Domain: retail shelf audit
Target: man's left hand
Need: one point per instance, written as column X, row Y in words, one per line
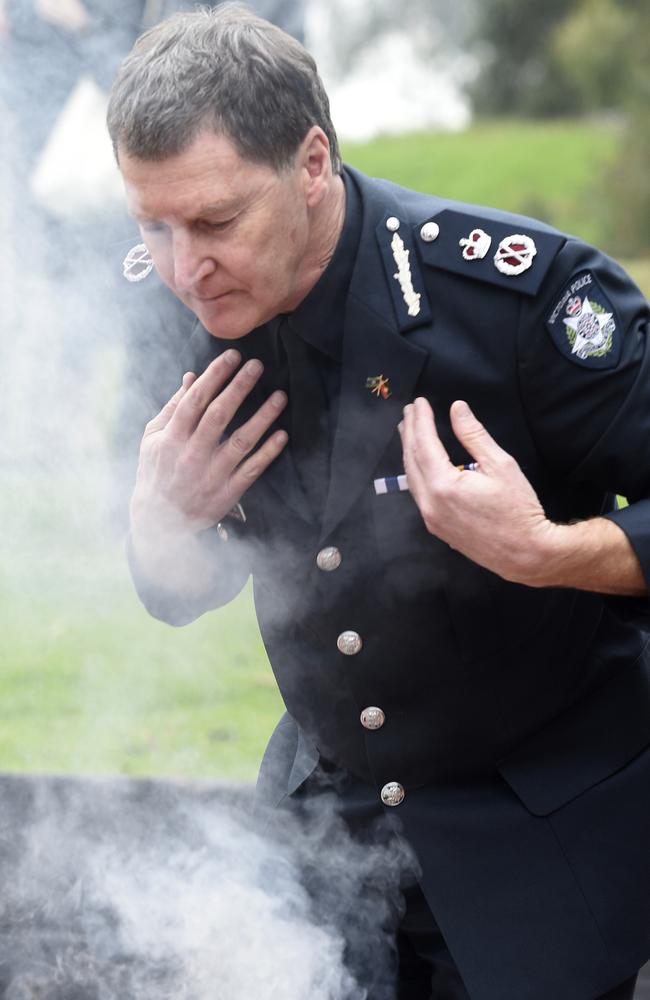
column 491, row 515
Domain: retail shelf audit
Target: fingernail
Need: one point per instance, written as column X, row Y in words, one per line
column 278, row 399
column 400, row 426
column 232, row 357
column 254, row 367
column 462, row 408
column 408, row 407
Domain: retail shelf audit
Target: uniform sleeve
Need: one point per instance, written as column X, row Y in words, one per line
column 584, row 369
column 231, row 571
column 163, row 339
column 154, row 329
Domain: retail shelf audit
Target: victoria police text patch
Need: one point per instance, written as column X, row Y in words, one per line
column 584, row 325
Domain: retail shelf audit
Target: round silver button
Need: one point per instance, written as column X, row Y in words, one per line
column 349, row 643
column 392, row 224
column 372, row 718
column 392, row 794
column 430, row 231
column 329, row 559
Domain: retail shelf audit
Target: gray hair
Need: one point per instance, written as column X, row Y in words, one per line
column 224, row 69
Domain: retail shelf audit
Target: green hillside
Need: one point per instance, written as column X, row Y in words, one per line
column 550, row 170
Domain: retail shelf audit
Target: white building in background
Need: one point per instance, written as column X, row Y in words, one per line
column 389, row 74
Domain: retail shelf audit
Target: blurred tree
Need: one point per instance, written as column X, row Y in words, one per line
column 565, row 57
column 521, row 74
column 592, row 46
column 603, row 47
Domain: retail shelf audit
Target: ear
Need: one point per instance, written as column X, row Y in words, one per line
column 315, row 164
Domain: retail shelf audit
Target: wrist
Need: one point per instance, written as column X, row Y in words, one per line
column 594, row 554
column 558, row 545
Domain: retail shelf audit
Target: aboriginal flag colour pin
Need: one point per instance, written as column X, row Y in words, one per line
column 379, row 386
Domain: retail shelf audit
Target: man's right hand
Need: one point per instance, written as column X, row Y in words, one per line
column 189, row 474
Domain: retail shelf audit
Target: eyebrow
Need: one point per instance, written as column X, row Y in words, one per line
column 214, row 209
column 224, row 206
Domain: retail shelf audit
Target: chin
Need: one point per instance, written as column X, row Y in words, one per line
column 225, row 323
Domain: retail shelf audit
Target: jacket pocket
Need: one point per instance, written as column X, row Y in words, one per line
column 586, row 744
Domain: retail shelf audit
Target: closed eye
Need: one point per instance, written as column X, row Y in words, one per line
column 215, row 226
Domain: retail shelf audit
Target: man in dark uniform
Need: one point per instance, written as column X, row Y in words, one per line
column 454, row 609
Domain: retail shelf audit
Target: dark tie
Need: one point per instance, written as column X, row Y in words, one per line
column 309, row 421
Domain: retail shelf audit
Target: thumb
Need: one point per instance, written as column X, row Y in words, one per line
column 473, row 436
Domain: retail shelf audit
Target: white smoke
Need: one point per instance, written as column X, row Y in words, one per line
column 133, row 891
column 146, row 892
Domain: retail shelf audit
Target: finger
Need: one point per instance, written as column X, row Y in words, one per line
column 162, row 419
column 225, row 405
column 242, row 441
column 192, row 406
column 427, row 448
column 416, row 481
column 474, row 438
column 249, row 471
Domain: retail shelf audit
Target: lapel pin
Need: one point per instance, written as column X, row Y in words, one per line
column 137, row 264
column 379, row 386
column 403, row 275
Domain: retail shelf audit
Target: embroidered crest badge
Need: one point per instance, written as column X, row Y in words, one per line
column 403, row 275
column 476, row 245
column 515, row 254
column 584, row 326
column 137, row 264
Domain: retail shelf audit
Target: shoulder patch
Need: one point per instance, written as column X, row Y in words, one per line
column 584, row 325
column 504, row 254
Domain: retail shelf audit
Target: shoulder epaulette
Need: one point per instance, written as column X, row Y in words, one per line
column 507, row 254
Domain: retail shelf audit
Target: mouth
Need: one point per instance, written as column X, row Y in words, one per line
column 212, row 298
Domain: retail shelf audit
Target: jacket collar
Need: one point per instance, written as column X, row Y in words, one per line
column 373, row 345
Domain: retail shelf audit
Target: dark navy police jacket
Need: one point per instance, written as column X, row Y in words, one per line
column 517, row 719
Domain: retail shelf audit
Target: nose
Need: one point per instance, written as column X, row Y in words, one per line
column 191, row 261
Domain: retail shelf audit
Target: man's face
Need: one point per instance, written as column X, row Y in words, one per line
column 227, row 235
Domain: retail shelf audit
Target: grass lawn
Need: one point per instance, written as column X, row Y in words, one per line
column 106, row 689
column 549, row 170
column 88, row 682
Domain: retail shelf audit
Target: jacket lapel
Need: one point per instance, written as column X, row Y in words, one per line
column 372, row 346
